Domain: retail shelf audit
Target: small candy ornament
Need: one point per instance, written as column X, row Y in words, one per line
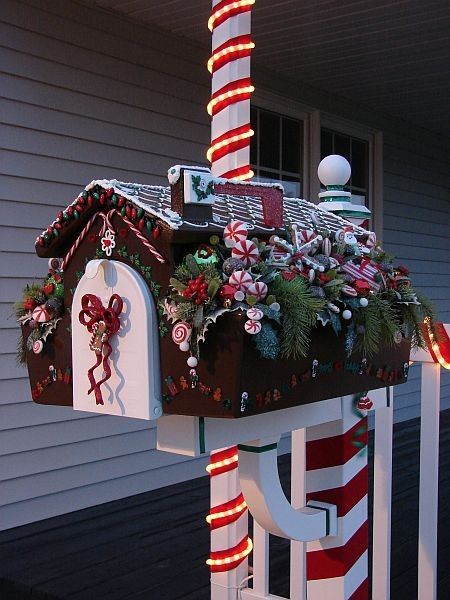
column 241, row 280
column 245, row 251
column 181, row 332
column 234, row 232
column 41, row 315
column 258, row 289
column 254, row 314
column 252, row 327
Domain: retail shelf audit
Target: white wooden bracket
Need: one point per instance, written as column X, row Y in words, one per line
column 260, row 483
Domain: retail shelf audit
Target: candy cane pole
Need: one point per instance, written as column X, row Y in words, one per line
column 229, row 107
column 228, row 520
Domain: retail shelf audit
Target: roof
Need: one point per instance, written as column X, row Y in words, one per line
column 155, row 201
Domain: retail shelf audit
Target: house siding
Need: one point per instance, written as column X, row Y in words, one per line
column 86, row 95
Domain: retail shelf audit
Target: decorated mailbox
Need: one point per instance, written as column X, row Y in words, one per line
column 211, row 298
column 218, row 297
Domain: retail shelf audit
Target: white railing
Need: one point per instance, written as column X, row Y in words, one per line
column 382, row 501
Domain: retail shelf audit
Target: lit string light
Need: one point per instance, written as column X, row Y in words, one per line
column 224, row 514
column 235, row 87
column 225, row 560
column 227, row 513
column 439, row 348
column 226, row 9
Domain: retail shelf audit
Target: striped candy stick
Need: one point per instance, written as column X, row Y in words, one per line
column 228, row 519
column 231, row 89
column 336, row 472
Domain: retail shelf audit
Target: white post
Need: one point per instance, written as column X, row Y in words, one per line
column 429, row 470
column 229, row 527
column 298, row 499
column 382, row 498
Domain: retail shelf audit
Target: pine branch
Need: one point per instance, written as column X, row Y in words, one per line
column 299, row 309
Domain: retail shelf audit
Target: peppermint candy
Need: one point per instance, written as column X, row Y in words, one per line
column 252, row 327
column 349, row 291
column 371, row 240
column 181, row 332
column 245, row 251
column 254, row 314
column 38, row 346
column 40, row 314
column 241, row 280
column 234, row 232
column 258, row 290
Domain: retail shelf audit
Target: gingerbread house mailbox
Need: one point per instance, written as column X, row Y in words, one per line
column 210, row 298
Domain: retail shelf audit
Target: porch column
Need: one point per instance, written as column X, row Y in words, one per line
column 228, row 519
column 336, row 472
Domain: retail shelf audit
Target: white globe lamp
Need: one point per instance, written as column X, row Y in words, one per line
column 334, row 170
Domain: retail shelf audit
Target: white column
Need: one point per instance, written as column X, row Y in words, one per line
column 428, row 488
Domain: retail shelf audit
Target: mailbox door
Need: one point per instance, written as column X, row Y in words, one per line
column 133, row 389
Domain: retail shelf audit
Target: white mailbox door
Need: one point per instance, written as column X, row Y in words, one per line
column 134, row 388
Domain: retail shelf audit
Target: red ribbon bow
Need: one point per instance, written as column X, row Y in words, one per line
column 95, row 316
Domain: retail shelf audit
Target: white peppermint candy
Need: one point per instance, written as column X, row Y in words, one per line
column 349, row 291
column 38, row 345
column 258, row 290
column 252, row 327
column 245, row 251
column 241, row 280
column 181, row 332
column 254, row 314
column 40, row 314
column 234, row 232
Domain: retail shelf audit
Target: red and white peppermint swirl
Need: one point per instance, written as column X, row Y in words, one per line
column 40, row 314
column 245, row 251
column 38, row 346
column 234, row 232
column 252, row 327
column 229, row 107
column 258, row 290
column 240, row 280
column 181, row 332
column 255, row 314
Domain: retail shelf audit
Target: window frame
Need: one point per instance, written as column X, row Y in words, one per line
column 313, row 121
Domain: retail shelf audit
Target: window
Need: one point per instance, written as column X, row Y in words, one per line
column 356, row 151
column 276, row 151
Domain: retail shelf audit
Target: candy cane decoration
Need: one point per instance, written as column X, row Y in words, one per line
column 107, row 225
column 159, row 257
column 229, row 106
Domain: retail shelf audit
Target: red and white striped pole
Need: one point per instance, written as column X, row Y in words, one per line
column 229, row 154
column 228, row 520
column 229, row 64
column 336, row 472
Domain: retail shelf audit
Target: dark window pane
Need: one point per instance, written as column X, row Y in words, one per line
column 360, row 157
column 342, row 146
column 291, row 186
column 326, row 143
column 268, row 175
column 291, row 148
column 254, row 138
column 269, row 142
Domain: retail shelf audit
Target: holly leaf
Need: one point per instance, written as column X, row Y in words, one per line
column 177, row 285
column 192, row 265
column 213, row 287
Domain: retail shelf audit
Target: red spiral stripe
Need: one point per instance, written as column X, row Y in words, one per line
column 226, row 560
column 226, row 513
column 226, row 9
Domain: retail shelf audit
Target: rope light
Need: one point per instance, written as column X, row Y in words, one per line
column 227, row 9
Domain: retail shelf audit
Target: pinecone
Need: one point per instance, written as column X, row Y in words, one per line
column 317, row 292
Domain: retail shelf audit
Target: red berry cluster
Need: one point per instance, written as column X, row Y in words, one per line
column 197, row 290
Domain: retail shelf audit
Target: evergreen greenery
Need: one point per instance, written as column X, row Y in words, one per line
column 299, row 309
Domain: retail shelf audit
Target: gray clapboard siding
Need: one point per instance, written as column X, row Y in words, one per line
column 75, row 107
column 87, row 95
